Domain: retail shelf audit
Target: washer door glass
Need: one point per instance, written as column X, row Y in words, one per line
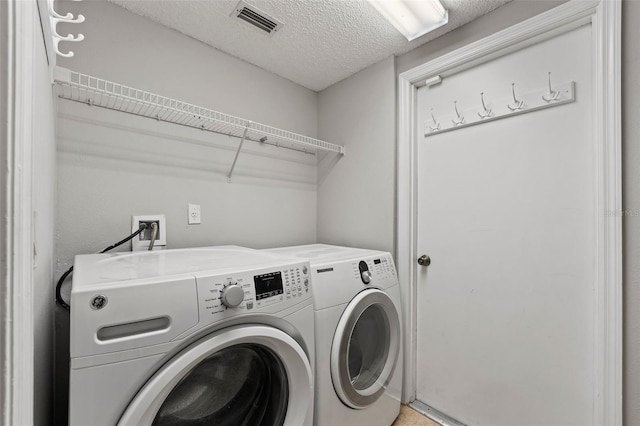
column 239, row 385
column 365, row 348
column 243, row 375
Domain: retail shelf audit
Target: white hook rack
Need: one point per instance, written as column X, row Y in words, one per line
column 55, row 18
column 503, row 108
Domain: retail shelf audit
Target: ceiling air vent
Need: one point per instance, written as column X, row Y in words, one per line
column 256, row 17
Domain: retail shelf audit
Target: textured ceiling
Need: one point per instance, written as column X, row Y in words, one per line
column 320, row 43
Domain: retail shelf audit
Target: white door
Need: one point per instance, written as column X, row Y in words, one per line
column 246, row 375
column 506, row 212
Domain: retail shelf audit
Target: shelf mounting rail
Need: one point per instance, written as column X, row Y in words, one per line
column 91, row 90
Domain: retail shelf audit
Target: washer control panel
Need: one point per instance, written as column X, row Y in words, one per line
column 264, row 290
column 376, row 270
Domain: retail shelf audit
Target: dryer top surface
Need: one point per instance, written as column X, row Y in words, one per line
column 323, row 254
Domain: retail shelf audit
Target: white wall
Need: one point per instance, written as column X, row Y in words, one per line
column 112, row 165
column 631, row 206
column 356, row 193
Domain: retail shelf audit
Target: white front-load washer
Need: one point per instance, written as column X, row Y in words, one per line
column 218, row 335
column 358, row 334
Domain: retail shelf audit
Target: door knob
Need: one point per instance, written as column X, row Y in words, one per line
column 424, row 260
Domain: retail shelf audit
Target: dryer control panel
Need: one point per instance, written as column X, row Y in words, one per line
column 379, row 270
column 266, row 290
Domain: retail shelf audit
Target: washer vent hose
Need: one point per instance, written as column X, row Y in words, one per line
column 64, row 276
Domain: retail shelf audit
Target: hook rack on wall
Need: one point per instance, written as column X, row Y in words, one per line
column 90, row 90
column 503, row 108
column 55, row 18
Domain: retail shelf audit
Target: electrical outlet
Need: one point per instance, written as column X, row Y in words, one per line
column 143, row 239
column 193, row 211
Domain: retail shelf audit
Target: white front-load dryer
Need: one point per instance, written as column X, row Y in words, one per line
column 219, row 335
column 358, row 334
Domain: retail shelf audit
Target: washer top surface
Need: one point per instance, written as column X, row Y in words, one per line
column 324, row 254
column 158, row 297
column 126, row 266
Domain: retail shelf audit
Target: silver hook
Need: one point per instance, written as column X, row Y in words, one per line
column 517, row 105
column 487, row 112
column 552, row 95
column 460, row 119
column 436, row 125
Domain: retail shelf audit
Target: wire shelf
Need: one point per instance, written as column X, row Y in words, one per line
column 91, row 90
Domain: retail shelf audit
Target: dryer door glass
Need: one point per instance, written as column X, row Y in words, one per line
column 238, row 385
column 365, row 348
column 368, row 347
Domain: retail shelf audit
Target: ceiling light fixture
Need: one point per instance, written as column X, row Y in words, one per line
column 413, row 18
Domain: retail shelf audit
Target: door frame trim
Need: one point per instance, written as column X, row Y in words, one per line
column 605, row 18
column 17, row 49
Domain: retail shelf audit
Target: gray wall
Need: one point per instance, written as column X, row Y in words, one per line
column 113, row 165
column 631, row 206
column 356, row 193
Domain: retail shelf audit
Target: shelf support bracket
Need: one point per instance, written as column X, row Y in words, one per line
column 235, row 159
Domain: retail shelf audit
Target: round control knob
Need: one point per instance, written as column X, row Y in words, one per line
column 305, row 270
column 232, row 295
column 366, row 277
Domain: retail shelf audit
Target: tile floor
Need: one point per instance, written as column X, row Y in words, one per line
column 410, row 417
